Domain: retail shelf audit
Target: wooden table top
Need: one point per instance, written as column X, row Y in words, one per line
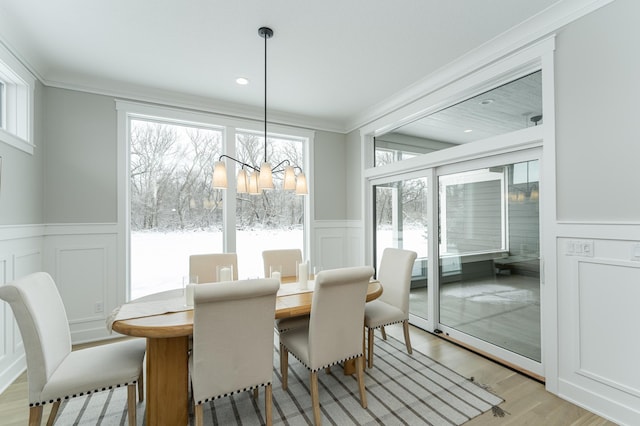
column 178, row 324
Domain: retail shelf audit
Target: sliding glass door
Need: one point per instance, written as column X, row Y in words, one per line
column 482, row 288
column 489, row 257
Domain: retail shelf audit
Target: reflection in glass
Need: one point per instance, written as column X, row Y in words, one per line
column 401, row 222
column 489, row 256
column 504, row 109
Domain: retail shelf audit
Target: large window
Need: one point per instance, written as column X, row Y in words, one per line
column 173, row 211
column 16, row 102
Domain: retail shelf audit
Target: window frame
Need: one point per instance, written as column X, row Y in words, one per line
column 16, row 122
column 126, row 110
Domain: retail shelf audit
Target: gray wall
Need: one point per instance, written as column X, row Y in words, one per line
column 21, row 179
column 597, row 115
column 80, row 170
column 81, row 166
column 353, row 175
column 330, row 187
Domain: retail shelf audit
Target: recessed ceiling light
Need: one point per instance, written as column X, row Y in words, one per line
column 468, row 131
column 242, row 81
column 486, row 101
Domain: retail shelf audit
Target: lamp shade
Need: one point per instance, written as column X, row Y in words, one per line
column 301, row 184
column 253, row 183
column 289, row 178
column 242, row 184
column 219, row 175
column 266, row 177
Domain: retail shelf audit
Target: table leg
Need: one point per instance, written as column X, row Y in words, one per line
column 167, row 381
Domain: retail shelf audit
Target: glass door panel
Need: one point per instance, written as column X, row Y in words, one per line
column 489, row 256
column 401, row 222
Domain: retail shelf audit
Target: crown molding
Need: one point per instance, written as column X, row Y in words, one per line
column 193, row 102
column 519, row 37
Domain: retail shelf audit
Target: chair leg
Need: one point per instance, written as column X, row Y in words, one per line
column 268, row 413
column 360, row 372
column 35, row 415
column 370, row 348
column 255, row 393
column 384, row 333
column 199, row 415
column 131, row 403
column 284, row 365
column 407, row 339
column 141, row 387
column 364, row 348
column 315, row 399
column 53, row 413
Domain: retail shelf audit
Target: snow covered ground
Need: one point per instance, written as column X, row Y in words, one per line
column 160, row 260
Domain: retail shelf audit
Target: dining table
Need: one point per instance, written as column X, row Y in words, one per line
column 168, row 334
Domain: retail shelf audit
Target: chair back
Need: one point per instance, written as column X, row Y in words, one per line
column 285, row 258
column 395, row 276
column 43, row 323
column 205, row 266
column 232, row 336
column 337, row 315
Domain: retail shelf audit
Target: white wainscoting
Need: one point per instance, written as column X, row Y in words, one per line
column 82, row 259
column 21, row 248
column 338, row 244
column 599, row 319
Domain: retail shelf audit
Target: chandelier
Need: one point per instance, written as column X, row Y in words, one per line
column 254, row 180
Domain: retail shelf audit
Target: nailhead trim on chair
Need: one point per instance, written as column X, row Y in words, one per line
column 231, row 393
column 324, row 366
column 389, row 323
column 51, row 401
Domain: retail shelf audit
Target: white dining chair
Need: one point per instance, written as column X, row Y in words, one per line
column 54, row 372
column 232, row 341
column 286, row 259
column 205, row 266
column 334, row 332
column 393, row 305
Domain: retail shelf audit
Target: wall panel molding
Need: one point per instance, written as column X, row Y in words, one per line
column 598, row 293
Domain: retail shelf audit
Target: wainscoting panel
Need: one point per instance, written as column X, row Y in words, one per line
column 598, row 318
column 21, row 248
column 336, row 244
column 82, row 260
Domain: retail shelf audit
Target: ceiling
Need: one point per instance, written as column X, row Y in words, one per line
column 512, row 106
column 328, row 60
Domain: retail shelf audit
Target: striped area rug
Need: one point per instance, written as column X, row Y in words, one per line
column 401, row 389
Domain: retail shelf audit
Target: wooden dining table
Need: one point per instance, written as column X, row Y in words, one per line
column 167, row 372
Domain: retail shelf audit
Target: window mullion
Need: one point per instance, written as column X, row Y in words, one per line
column 229, row 196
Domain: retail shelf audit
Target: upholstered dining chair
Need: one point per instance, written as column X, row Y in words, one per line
column 54, row 372
column 334, row 331
column 232, row 341
column 393, row 305
column 284, row 258
column 204, row 266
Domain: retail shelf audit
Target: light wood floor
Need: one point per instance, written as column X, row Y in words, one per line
column 526, row 401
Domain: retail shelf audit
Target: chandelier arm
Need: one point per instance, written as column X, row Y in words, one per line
column 239, row 162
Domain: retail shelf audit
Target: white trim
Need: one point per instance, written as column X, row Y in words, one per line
column 519, row 37
column 331, row 224
column 547, row 228
column 19, row 102
column 16, row 232
column 212, row 106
